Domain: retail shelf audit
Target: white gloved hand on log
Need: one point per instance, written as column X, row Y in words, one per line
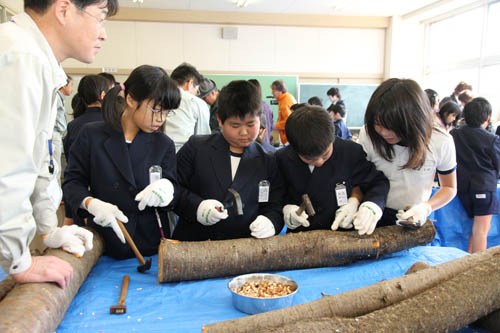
column 72, row 239
column 345, row 214
column 262, row 227
column 365, row 220
column 418, row 213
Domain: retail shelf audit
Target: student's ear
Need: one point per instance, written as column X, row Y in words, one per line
column 132, row 103
column 101, row 95
column 62, row 11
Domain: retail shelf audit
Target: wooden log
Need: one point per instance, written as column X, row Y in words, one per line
column 355, row 303
column 40, row 307
column 180, row 261
column 451, row 305
column 5, row 286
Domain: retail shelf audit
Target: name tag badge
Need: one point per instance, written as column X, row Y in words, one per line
column 481, row 196
column 264, row 187
column 341, row 194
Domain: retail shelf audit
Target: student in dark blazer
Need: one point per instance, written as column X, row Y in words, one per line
column 209, row 165
column 478, row 165
column 328, row 169
column 108, row 171
column 86, row 109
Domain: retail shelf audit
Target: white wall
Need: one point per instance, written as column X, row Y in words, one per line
column 258, row 49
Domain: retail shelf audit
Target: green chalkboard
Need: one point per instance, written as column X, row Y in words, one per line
column 355, row 97
column 265, row 81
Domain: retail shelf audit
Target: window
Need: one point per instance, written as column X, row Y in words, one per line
column 465, row 47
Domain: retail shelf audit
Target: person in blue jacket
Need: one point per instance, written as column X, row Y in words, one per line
column 331, row 171
column 209, row 165
column 108, row 170
column 337, row 112
column 478, row 165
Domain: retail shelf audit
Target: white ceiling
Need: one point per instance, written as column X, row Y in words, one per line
column 325, row 7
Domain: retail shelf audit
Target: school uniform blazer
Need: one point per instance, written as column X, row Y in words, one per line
column 478, row 159
column 102, row 166
column 347, row 164
column 90, row 115
column 204, row 168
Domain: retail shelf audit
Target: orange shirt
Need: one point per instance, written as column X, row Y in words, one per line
column 285, row 101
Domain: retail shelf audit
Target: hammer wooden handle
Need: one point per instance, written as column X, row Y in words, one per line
column 123, row 293
column 130, row 241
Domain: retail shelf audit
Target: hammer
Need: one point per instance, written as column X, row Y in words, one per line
column 121, row 308
column 236, row 202
column 306, row 205
column 144, row 265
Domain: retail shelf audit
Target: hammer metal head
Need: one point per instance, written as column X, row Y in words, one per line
column 308, row 205
column 237, row 204
column 145, row 267
column 118, row 309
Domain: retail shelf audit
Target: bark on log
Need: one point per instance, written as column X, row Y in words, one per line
column 180, row 261
column 40, row 307
column 5, row 286
column 355, row 303
column 451, row 305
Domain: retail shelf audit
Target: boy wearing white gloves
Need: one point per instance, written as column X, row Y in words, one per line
column 328, row 168
column 209, row 165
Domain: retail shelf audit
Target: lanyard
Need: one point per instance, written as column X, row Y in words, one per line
column 51, row 164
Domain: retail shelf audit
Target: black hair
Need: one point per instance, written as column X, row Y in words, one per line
column 89, row 92
column 433, row 97
column 444, row 101
column 310, row 131
column 338, row 108
column 315, row 100
column 41, row 6
column 297, row 106
column 400, row 105
column 334, row 92
column 68, row 78
column 447, row 109
column 110, row 78
column 256, row 82
column 239, row 99
column 279, row 85
column 74, row 102
column 477, row 111
column 185, row 72
column 144, row 83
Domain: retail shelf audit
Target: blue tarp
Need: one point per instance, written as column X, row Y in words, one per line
column 187, row 306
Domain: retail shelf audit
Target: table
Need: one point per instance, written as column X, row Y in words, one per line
column 187, row 306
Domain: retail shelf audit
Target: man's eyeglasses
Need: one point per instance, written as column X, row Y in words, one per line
column 101, row 21
column 164, row 113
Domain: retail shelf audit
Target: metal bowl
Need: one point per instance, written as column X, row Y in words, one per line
column 253, row 305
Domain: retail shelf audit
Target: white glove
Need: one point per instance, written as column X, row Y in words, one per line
column 208, row 214
column 105, row 214
column 262, row 227
column 71, row 238
column 292, row 220
column 157, row 194
column 345, row 214
column 419, row 213
column 367, row 217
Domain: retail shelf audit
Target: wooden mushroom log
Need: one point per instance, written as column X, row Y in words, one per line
column 440, row 298
column 180, row 261
column 40, row 307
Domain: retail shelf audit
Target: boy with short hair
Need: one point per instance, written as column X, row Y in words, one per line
column 478, row 165
column 337, row 112
column 328, row 169
column 209, row 165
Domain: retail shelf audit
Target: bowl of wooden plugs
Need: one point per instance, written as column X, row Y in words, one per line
column 260, row 292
